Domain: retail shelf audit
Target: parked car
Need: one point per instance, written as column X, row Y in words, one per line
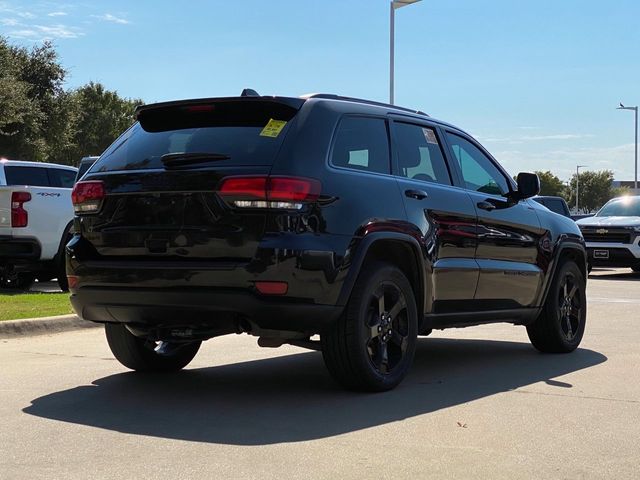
column 35, row 219
column 555, row 204
column 365, row 223
column 612, row 235
column 84, row 165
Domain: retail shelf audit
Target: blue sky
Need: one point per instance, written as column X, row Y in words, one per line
column 536, row 82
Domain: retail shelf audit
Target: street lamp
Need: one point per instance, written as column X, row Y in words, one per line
column 394, row 4
column 635, row 109
column 578, row 167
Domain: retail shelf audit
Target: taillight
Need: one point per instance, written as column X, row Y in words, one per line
column 270, row 192
column 87, row 196
column 19, row 216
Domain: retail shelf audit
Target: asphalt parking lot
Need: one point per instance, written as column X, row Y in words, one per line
column 478, row 403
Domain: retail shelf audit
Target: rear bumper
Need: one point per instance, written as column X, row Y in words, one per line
column 12, row 248
column 200, row 307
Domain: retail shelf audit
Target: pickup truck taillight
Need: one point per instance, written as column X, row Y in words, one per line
column 269, row 192
column 19, row 216
column 87, row 196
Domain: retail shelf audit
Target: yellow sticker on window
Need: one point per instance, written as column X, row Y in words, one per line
column 273, row 128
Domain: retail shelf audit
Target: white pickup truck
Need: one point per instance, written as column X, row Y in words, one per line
column 36, row 217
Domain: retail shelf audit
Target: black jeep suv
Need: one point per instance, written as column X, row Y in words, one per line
column 286, row 218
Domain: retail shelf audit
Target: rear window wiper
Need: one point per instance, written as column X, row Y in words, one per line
column 191, row 158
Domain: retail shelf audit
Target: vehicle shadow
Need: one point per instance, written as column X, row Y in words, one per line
column 293, row 399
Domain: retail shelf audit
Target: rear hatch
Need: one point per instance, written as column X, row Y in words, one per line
column 161, row 180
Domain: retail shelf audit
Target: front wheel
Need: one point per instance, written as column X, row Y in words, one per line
column 560, row 326
column 372, row 345
column 146, row 355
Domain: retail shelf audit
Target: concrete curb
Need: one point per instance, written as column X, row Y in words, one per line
column 43, row 326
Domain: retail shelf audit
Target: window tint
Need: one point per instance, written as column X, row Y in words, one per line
column 32, row 176
column 248, row 132
column 362, row 144
column 419, row 154
column 555, row 205
column 62, row 178
column 478, row 171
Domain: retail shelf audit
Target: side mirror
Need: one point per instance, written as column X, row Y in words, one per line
column 528, row 185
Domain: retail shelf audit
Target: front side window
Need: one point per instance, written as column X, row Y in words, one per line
column 478, row 171
column 362, row 143
column 419, row 154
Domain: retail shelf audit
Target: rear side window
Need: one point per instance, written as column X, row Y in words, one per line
column 362, row 143
column 32, row 176
column 419, row 154
column 249, row 133
column 62, row 178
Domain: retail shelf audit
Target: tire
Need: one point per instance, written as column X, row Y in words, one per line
column 561, row 324
column 139, row 354
column 61, row 275
column 358, row 349
column 18, row 281
column 61, row 264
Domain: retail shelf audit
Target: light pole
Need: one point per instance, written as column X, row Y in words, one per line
column 394, row 4
column 635, row 109
column 578, row 167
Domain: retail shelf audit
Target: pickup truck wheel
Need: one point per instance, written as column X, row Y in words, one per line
column 372, row 345
column 145, row 355
column 560, row 326
column 61, row 264
column 18, row 281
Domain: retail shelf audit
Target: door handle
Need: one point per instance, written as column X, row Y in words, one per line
column 417, row 194
column 486, row 205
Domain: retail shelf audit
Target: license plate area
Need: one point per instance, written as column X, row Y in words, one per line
column 604, row 254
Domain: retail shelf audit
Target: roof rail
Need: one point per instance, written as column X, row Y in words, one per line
column 332, row 96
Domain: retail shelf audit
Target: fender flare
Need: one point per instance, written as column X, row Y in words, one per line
column 362, row 249
column 563, row 245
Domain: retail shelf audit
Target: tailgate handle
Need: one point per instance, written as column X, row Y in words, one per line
column 417, row 194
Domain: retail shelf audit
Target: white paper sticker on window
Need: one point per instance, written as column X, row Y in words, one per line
column 430, row 136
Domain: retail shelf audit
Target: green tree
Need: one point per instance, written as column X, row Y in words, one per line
column 40, row 121
column 30, row 86
column 551, row 185
column 596, row 188
column 102, row 115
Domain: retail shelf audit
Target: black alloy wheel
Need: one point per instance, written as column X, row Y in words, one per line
column 371, row 346
column 388, row 328
column 560, row 326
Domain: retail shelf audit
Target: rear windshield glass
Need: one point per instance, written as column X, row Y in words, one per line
column 247, row 133
column 623, row 207
column 32, row 176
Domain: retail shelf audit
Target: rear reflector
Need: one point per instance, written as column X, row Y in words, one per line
column 19, row 216
column 272, row 288
column 270, row 192
column 72, row 281
column 87, row 196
